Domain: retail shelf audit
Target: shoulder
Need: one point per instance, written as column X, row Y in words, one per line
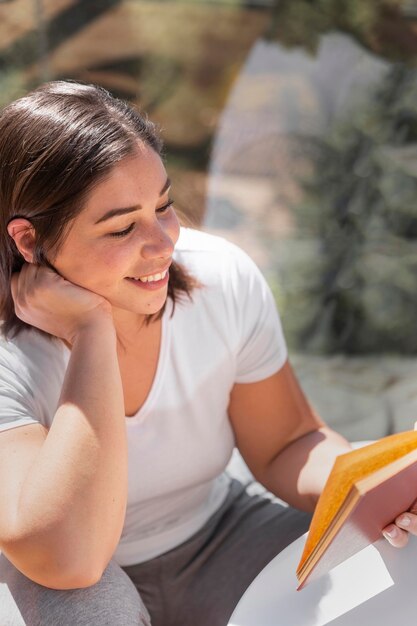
column 237, row 305
column 31, row 347
column 233, row 288
column 192, row 241
column 32, row 363
column 211, row 258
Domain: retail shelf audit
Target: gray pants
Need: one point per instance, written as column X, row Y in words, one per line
column 198, row 583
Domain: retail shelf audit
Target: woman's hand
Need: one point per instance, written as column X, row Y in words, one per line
column 46, row 300
column 398, row 532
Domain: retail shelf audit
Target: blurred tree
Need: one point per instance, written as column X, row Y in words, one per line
column 358, row 295
column 386, row 27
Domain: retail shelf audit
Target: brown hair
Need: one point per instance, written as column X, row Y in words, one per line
column 56, row 143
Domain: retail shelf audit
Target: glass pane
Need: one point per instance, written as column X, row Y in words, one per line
column 290, row 128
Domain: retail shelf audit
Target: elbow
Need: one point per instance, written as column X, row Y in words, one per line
column 48, row 570
column 71, row 581
column 80, row 578
column 61, row 580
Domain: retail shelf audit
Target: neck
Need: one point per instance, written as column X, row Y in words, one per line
column 132, row 328
column 127, row 322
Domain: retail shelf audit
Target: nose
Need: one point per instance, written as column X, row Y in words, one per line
column 158, row 242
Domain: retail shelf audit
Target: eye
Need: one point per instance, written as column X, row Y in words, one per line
column 164, row 208
column 128, row 230
column 122, row 233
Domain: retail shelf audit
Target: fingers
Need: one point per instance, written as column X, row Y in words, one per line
column 16, row 290
column 19, row 284
column 397, row 533
column 396, row 537
column 13, row 285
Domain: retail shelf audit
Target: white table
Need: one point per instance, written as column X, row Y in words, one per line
column 376, row 586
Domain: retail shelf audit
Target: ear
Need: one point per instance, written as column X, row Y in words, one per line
column 23, row 234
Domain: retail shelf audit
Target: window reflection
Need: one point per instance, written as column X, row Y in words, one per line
column 290, row 128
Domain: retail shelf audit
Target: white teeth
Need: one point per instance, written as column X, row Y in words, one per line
column 152, row 278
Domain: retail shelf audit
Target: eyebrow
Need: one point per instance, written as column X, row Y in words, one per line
column 130, row 209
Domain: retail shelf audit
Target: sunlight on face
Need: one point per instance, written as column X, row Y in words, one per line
column 104, row 251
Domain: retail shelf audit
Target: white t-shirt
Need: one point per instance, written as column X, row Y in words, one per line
column 180, row 441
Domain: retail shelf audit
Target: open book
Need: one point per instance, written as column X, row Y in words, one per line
column 366, row 490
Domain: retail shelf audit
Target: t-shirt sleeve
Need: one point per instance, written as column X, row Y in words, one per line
column 261, row 350
column 17, row 404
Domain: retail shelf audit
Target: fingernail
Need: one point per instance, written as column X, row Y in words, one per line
column 390, row 533
column 404, row 520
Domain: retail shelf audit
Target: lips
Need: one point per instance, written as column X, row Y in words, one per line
column 150, row 285
column 149, row 275
column 154, row 277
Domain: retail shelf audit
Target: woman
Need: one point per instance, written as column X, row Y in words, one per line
column 135, row 356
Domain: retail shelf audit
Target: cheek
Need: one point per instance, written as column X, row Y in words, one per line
column 173, row 228
column 96, row 270
column 113, row 262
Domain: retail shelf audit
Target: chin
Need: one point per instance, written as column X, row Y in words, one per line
column 150, row 308
column 155, row 308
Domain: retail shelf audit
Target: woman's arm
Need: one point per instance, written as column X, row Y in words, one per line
column 70, row 508
column 287, row 447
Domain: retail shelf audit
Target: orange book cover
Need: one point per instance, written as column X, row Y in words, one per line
column 365, row 491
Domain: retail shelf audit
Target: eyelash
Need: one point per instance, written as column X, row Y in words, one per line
column 124, row 233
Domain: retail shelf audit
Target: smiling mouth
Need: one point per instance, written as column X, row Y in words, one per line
column 151, row 278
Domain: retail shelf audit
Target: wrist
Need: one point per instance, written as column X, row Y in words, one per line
column 97, row 323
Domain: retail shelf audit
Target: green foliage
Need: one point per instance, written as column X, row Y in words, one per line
column 357, row 293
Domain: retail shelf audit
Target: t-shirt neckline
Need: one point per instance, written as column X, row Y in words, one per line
column 160, row 368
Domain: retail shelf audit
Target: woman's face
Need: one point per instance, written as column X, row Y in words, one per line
column 105, row 250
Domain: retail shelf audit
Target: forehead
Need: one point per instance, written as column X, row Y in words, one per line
column 135, row 180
